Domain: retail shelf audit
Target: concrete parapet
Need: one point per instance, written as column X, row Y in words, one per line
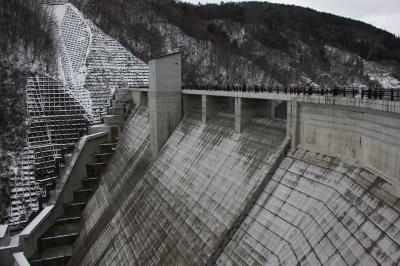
column 63, row 193
column 4, row 235
column 165, row 98
column 20, row 259
column 380, row 105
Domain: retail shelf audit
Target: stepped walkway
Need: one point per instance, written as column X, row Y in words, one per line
column 55, row 245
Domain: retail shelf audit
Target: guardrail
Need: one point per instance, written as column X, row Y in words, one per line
column 391, row 94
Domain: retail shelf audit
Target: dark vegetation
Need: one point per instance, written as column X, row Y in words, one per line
column 276, row 27
column 26, row 46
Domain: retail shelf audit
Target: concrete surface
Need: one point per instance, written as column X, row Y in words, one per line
column 176, row 209
column 366, row 137
column 319, row 210
column 165, row 98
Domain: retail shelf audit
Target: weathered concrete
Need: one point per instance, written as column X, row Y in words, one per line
column 191, row 102
column 69, row 182
column 246, row 109
column 361, row 136
column 280, row 109
column 20, row 259
column 176, row 209
column 165, row 98
column 140, row 98
column 4, row 234
column 123, row 172
column 318, row 210
column 210, row 106
column 292, row 122
column 380, row 105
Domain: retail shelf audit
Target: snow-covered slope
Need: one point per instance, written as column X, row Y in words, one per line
column 253, row 42
column 93, row 65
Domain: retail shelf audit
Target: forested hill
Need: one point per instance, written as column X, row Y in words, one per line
column 253, row 42
column 26, row 47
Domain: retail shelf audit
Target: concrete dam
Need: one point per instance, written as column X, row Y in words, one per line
column 187, row 175
column 204, row 177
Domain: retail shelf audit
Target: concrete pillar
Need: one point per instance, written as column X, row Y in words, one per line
column 292, row 122
column 272, row 105
column 247, row 109
column 204, row 109
column 211, row 105
column 239, row 121
column 165, row 98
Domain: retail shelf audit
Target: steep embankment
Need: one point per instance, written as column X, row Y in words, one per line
column 177, row 208
column 318, row 210
column 253, row 42
column 26, row 47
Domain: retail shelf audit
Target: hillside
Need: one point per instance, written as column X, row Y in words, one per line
column 253, row 42
column 26, row 47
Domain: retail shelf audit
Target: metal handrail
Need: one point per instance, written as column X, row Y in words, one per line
column 392, row 94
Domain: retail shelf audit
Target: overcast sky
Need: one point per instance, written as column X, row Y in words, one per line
column 384, row 14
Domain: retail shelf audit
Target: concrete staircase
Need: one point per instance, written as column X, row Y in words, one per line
column 55, row 245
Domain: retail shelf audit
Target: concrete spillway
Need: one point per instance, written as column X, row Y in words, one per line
column 185, row 200
column 318, row 210
column 175, row 209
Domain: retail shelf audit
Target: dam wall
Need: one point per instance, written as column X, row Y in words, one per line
column 222, row 189
column 176, row 209
column 131, row 156
column 369, row 138
column 207, row 196
column 320, row 210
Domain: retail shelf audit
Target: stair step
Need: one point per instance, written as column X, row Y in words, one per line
column 59, row 235
column 113, row 119
column 94, row 170
column 72, row 218
column 114, row 129
column 117, row 111
column 89, row 182
column 52, row 256
column 107, row 147
column 102, row 157
column 74, row 208
column 83, row 195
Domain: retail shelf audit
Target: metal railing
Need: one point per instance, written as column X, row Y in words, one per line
column 391, row 94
